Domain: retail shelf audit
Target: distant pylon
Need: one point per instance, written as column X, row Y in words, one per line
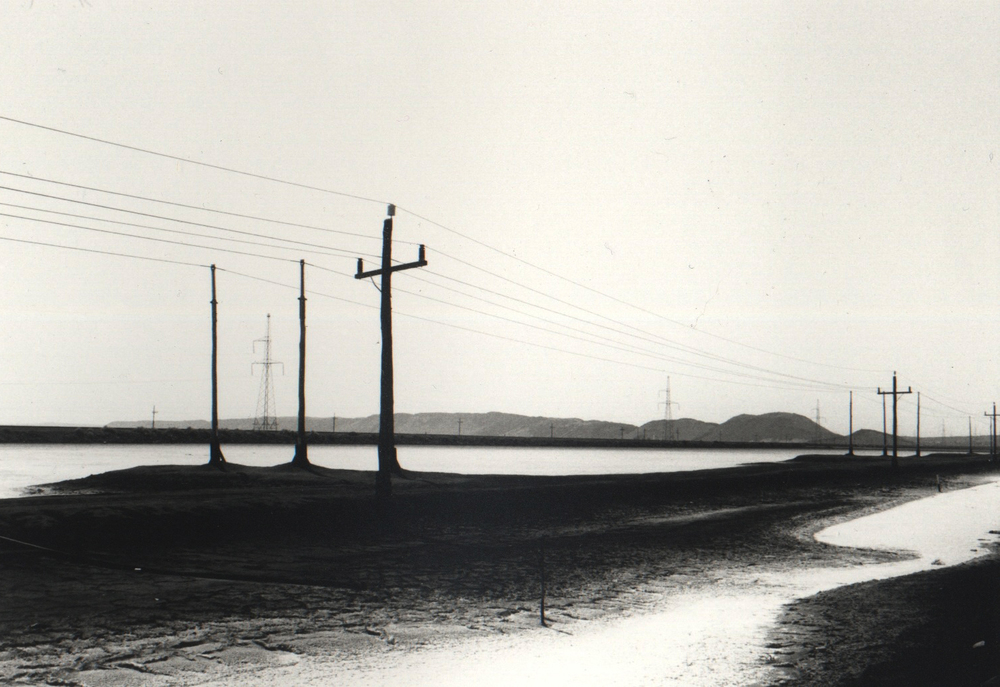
column 819, row 419
column 265, row 419
column 668, row 420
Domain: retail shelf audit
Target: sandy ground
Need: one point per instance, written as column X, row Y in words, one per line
column 187, row 576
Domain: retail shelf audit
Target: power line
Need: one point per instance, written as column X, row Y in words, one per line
column 154, row 216
column 366, row 305
column 335, row 252
column 417, row 216
column 649, row 337
column 640, row 352
column 296, row 288
column 656, row 339
column 197, row 207
column 629, row 349
column 455, row 232
column 618, row 300
column 614, row 344
column 145, row 238
column 101, row 252
column 405, row 314
column 178, row 158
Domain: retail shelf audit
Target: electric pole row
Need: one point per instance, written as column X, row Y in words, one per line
column 216, row 459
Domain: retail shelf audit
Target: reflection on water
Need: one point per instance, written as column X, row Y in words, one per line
column 23, row 465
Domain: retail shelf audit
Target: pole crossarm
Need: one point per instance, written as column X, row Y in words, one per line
column 421, row 262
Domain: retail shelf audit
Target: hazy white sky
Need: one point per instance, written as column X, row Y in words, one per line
column 772, row 202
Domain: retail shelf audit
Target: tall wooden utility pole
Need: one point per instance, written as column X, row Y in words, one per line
column 918, row 425
column 388, row 463
column 301, row 459
column 895, row 421
column 885, row 433
column 215, row 457
column 850, row 431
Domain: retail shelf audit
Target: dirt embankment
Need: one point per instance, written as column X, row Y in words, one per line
column 161, row 571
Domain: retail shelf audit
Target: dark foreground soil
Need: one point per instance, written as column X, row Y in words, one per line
column 158, row 572
column 935, row 629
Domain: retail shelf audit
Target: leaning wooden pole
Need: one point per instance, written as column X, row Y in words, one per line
column 301, row 459
column 216, row 459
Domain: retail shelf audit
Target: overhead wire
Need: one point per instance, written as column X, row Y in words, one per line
column 145, row 238
column 453, row 231
column 655, row 338
column 297, row 243
column 328, row 251
column 101, row 252
column 616, row 345
column 162, row 217
column 618, row 300
column 201, row 208
column 178, row 158
column 401, row 208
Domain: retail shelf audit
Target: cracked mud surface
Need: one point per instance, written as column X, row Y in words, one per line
column 184, row 576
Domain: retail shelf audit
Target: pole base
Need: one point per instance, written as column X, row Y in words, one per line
column 301, row 459
column 215, row 457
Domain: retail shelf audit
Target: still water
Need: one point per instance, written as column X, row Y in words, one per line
column 23, row 465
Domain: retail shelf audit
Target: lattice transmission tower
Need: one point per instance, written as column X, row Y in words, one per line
column 265, row 419
column 668, row 421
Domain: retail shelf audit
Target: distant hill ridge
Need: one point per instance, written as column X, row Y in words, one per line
column 769, row 427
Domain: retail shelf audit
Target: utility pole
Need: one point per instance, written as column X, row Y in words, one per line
column 266, row 418
column 333, row 425
column 993, row 431
column 215, row 457
column 885, row 448
column 918, row 425
column 301, row 458
column 153, row 425
column 459, row 426
column 668, row 430
column 388, row 463
column 850, row 430
column 895, row 422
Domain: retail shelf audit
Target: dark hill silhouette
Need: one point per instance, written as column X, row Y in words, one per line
column 771, row 427
column 683, row 429
column 472, row 424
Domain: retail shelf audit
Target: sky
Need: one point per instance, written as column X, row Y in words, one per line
column 772, row 204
